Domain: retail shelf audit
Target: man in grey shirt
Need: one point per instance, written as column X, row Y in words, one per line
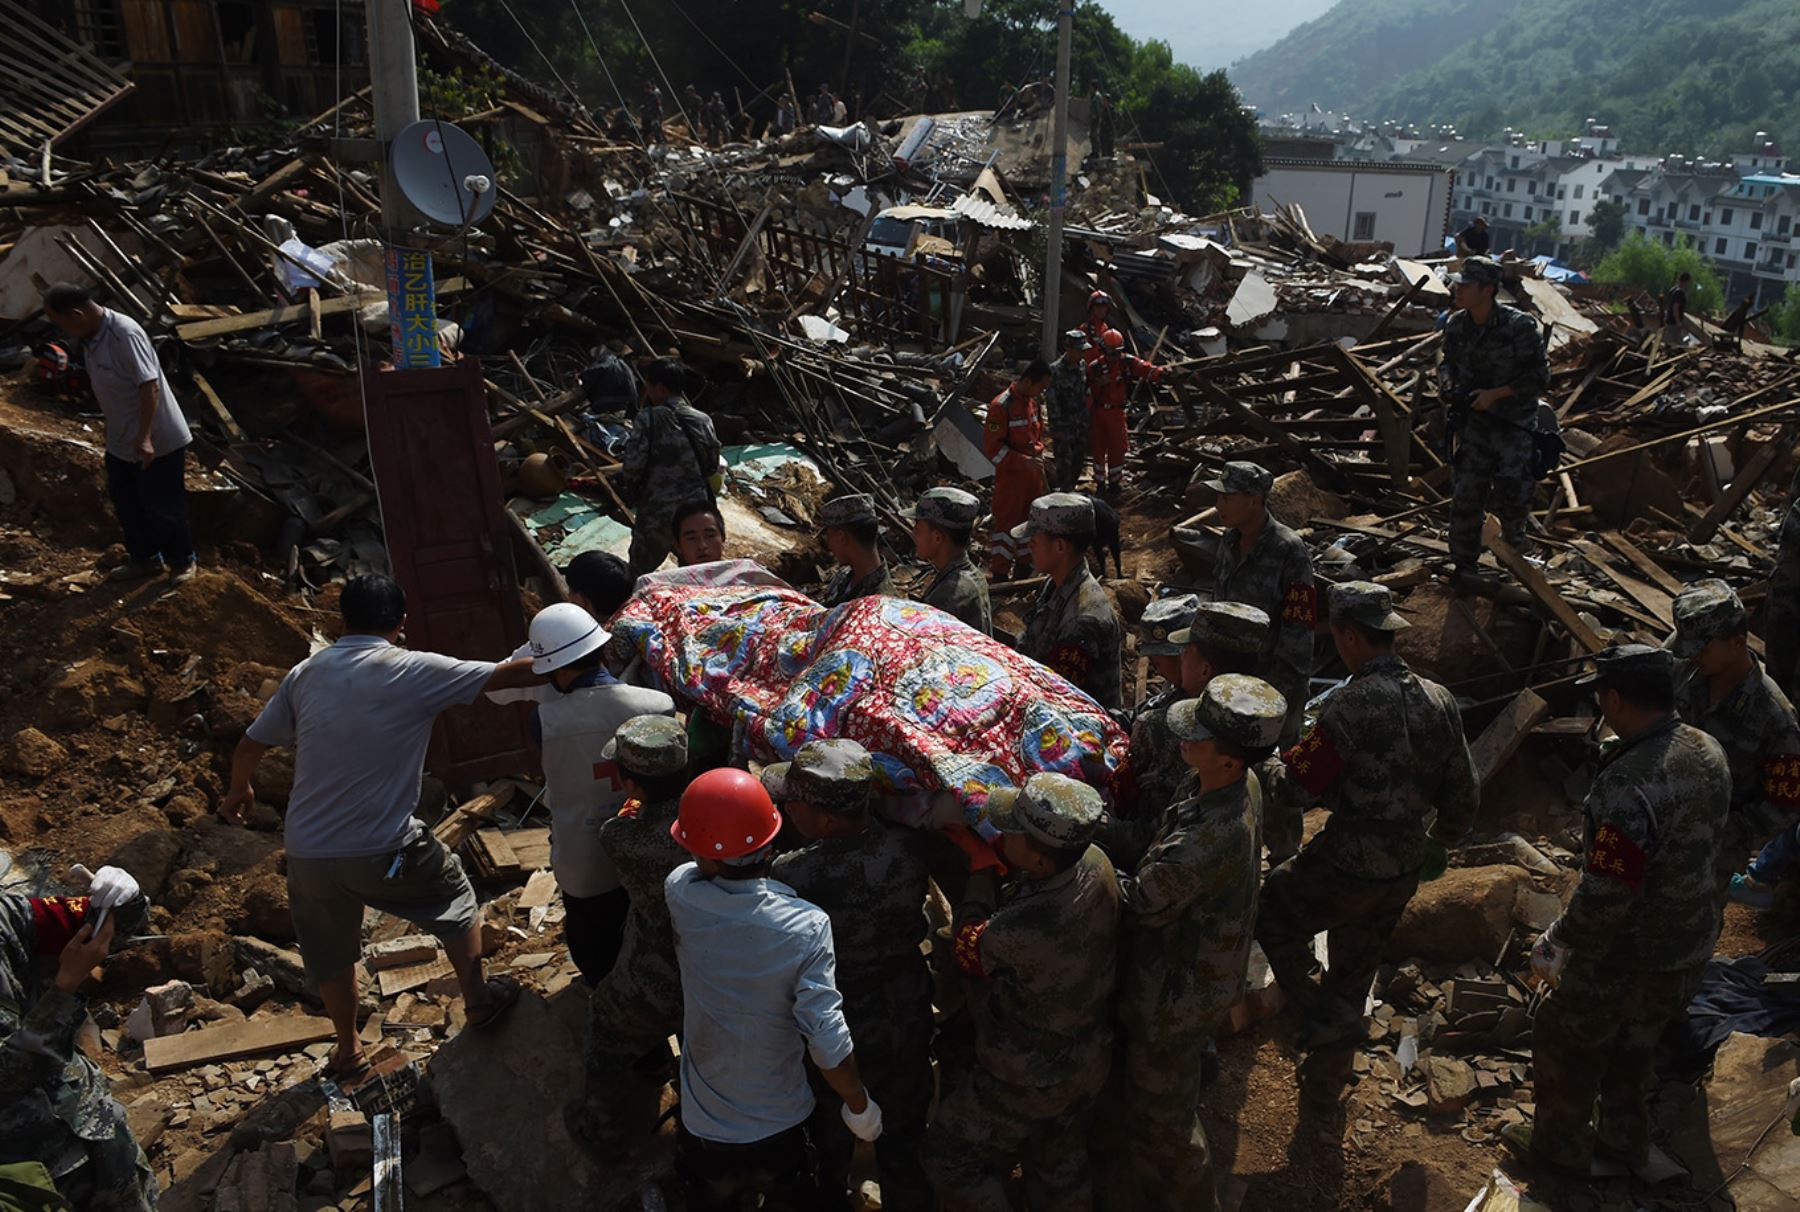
column 146, row 436
column 359, row 716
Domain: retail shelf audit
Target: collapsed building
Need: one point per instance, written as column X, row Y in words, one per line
column 849, row 299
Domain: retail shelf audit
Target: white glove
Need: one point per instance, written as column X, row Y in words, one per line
column 107, row 888
column 1547, row 960
column 866, row 1126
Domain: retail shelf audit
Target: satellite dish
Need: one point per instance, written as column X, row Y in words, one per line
column 443, row 173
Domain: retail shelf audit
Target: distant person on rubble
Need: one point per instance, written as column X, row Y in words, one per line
column 1474, row 240
column 671, row 458
column 823, row 103
column 786, row 110
column 652, row 111
column 1095, row 327
column 358, row 716
column 1675, row 309
column 1013, row 441
column 147, row 438
column 1495, row 368
column 1070, row 419
column 718, row 120
column 1111, row 378
column 608, row 382
column 1100, row 124
column 61, row 1132
column 853, row 536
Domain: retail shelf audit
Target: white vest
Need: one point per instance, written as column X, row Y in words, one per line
column 583, row 791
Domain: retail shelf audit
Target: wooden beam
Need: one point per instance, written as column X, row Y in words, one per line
column 1743, row 484
column 1540, row 588
column 234, row 1041
column 1659, row 576
column 290, row 313
column 217, row 405
column 1506, row 732
column 1650, row 597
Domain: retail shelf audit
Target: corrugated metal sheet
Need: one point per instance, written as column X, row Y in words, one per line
column 984, row 212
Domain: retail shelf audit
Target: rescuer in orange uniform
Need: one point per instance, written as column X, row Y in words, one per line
column 1110, row 377
column 1014, row 440
column 1095, row 326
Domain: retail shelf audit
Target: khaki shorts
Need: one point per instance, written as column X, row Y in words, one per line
column 327, row 897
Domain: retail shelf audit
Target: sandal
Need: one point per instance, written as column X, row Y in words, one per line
column 502, row 992
column 347, row 1075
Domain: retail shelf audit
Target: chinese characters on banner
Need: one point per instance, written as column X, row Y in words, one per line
column 412, row 308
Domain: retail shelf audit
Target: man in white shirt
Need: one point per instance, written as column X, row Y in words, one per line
column 358, row 716
column 146, row 436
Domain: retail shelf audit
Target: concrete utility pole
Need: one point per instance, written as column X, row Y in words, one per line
column 394, row 93
column 1059, row 183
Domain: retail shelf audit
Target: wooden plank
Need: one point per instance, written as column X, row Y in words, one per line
column 217, row 405
column 1334, row 478
column 1650, row 597
column 395, row 981
column 1541, row 589
column 294, row 311
column 1658, row 575
column 1742, row 484
column 531, row 849
column 234, row 1041
column 496, row 851
column 455, row 828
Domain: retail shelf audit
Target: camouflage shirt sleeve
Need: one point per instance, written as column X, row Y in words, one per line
column 1781, row 769
column 1124, row 841
column 1531, row 365
column 42, row 1040
column 1460, row 797
column 1620, row 838
column 1299, row 612
column 634, row 460
column 1173, row 874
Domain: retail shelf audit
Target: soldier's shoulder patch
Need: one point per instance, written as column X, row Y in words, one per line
column 631, row 809
column 967, row 948
column 55, row 920
column 1315, row 762
column 1614, row 854
column 1301, row 604
column 1781, row 779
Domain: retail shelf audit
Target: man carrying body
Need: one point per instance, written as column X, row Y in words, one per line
column 1496, row 370
column 1721, row 689
column 636, row 1005
column 671, row 458
column 1189, row 915
column 1626, row 955
column 572, row 728
column 1387, row 751
column 57, row 1113
column 853, row 537
column 870, row 878
column 1072, row 627
column 1111, row 378
column 147, row 438
column 942, row 523
column 1262, row 563
column 1070, row 420
column 699, row 530
column 1013, row 440
column 758, row 989
column 358, row 716
column 1039, row 956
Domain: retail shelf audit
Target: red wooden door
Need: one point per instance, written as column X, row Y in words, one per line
column 449, row 543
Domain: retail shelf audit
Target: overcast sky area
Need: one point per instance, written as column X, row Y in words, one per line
column 1213, row 33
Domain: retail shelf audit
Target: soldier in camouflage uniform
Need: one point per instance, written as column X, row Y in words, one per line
column 1721, row 689
column 942, row 522
column 1782, row 630
column 1189, row 911
column 1071, row 627
column 56, row 1107
column 1262, row 563
column 870, row 878
column 1067, row 401
column 1155, row 769
column 1494, row 369
column 1388, row 750
column 671, row 458
column 1039, row 958
column 853, row 537
column 1627, row 953
column 637, row 1005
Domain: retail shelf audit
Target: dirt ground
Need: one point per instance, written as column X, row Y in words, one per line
column 139, row 694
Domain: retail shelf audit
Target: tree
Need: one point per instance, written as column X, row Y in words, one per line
column 1607, row 220
column 1784, row 317
column 1653, row 266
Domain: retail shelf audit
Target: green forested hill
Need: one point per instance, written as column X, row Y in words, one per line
column 1694, row 76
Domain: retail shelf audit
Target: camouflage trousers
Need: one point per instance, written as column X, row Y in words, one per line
column 1149, row 1148
column 892, row 1027
column 1307, row 894
column 984, row 1126
column 631, row 1015
column 1493, row 472
column 1595, row 1036
column 115, row 1177
column 651, row 543
column 1069, row 455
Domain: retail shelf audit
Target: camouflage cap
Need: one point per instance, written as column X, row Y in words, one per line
column 1063, row 515
column 1482, row 270
column 1052, row 810
column 648, row 744
column 837, row 775
column 1226, row 626
column 1075, row 338
column 1704, row 611
column 1244, row 710
column 1367, row 603
column 951, row 508
column 1629, row 660
column 1163, row 620
column 847, row 511
column 1243, row 477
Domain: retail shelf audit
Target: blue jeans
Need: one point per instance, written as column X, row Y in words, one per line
column 1776, row 860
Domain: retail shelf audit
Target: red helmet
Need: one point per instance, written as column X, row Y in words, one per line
column 1112, row 338
column 1099, row 296
column 725, row 814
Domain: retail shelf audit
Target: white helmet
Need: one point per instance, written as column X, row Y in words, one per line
column 562, row 634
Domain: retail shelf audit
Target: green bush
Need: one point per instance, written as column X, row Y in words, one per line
column 1784, row 317
column 1652, row 265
